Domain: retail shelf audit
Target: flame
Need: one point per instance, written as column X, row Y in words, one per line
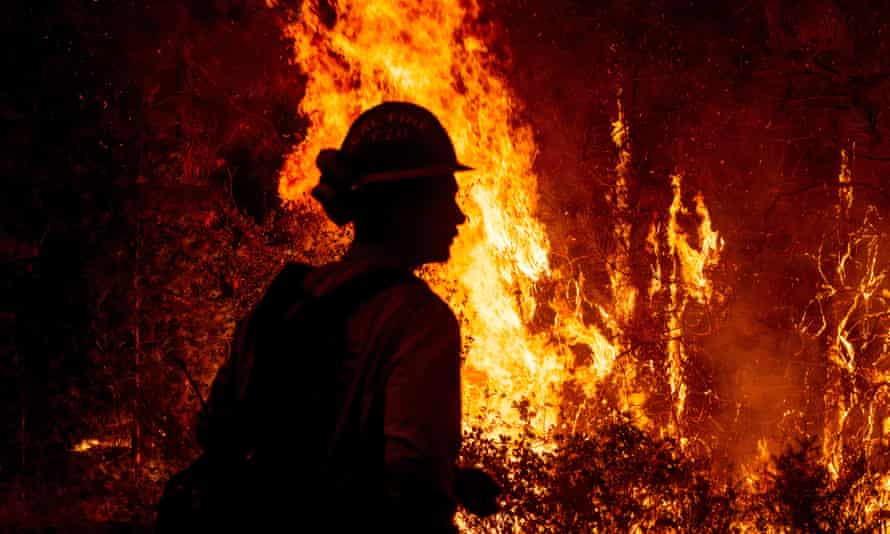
column 433, row 54
column 841, row 352
column 88, row 444
column 428, row 54
column 852, row 303
column 513, row 378
column 850, row 309
column 693, row 262
column 755, row 474
column 624, row 294
column 631, row 398
column 654, row 247
column 688, row 279
column 845, row 176
column 85, row 445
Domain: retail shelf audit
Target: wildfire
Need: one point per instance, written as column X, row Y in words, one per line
column 394, row 50
column 515, row 376
column 756, row 473
column 848, row 322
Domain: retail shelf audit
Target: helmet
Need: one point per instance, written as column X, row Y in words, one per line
column 390, row 142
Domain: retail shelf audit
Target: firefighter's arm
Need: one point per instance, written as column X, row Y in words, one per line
column 422, row 412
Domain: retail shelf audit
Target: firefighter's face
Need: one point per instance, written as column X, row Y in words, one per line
column 429, row 217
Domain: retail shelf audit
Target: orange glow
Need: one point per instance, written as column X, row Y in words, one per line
column 845, row 176
column 755, row 473
column 515, row 375
column 89, row 444
column 624, row 294
column 85, row 445
column 400, row 50
column 687, row 280
column 847, row 313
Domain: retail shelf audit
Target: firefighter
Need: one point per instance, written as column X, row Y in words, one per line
column 393, row 178
column 383, row 457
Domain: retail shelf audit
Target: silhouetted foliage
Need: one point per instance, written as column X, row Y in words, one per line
column 621, row 478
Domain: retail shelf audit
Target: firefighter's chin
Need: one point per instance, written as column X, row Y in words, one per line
column 439, row 252
column 439, row 256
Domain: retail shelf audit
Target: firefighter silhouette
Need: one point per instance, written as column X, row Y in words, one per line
column 339, row 407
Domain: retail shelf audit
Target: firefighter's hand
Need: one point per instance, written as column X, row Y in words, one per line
column 476, row 491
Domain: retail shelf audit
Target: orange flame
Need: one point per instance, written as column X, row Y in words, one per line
column 401, row 50
column 88, row 444
column 850, row 309
column 688, row 279
column 624, row 294
column 845, row 176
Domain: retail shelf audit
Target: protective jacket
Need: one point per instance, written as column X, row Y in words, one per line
column 397, row 430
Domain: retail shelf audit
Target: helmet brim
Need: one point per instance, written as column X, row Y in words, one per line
column 417, row 173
